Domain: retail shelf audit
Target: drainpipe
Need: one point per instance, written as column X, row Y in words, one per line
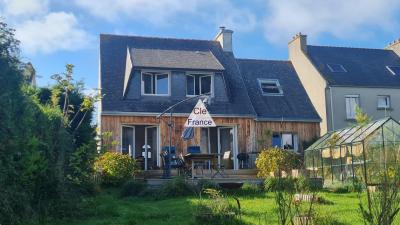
column 331, row 103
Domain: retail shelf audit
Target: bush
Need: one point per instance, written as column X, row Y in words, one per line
column 326, row 219
column 206, row 184
column 176, row 187
column 218, row 210
column 133, row 188
column 280, row 184
column 115, row 168
column 275, row 160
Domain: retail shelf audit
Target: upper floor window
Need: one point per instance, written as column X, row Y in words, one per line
column 336, row 67
column 383, row 101
column 155, row 83
column 395, row 70
column 352, row 102
column 270, row 87
column 198, row 84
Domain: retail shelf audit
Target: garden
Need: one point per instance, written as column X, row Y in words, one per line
column 52, row 170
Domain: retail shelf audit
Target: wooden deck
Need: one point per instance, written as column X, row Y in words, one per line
column 154, row 177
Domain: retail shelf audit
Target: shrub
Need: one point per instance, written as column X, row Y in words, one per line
column 115, row 168
column 280, row 184
column 206, row 184
column 218, row 210
column 175, row 187
column 275, row 160
column 326, row 219
column 132, row 188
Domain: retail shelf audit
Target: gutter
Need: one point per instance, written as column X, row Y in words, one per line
column 331, row 103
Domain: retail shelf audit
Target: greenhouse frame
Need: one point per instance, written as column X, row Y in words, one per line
column 358, row 152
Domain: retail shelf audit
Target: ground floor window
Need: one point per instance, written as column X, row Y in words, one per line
column 285, row 141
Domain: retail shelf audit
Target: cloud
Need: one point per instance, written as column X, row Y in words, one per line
column 340, row 18
column 53, row 32
column 43, row 31
column 172, row 12
column 23, row 8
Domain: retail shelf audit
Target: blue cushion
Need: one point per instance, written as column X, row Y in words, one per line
column 193, row 149
column 173, row 149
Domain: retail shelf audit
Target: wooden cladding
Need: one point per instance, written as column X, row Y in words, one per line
column 247, row 129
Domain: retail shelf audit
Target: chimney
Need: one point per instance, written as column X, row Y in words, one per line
column 300, row 40
column 225, row 39
column 394, row 46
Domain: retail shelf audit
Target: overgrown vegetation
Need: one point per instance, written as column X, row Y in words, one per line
column 275, row 161
column 115, row 168
column 46, row 147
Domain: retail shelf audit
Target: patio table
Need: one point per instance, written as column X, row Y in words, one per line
column 205, row 157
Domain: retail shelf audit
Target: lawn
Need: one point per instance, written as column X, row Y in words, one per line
column 107, row 208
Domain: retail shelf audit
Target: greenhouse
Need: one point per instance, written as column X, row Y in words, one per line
column 361, row 152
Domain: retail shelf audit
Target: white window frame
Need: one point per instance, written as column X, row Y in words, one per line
column 154, row 74
column 278, row 85
column 345, row 102
column 204, row 74
column 337, row 64
column 384, row 107
column 194, row 85
column 391, row 71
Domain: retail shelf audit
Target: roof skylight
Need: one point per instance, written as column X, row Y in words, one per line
column 395, row 70
column 336, row 68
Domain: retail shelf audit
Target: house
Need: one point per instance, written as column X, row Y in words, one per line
column 337, row 79
column 140, row 77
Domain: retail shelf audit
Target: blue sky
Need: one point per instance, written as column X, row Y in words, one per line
column 54, row 33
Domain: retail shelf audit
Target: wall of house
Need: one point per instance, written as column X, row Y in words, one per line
column 309, row 76
column 368, row 103
column 305, row 131
column 247, row 129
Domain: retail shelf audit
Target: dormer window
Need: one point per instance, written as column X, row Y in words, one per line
column 155, row 83
column 270, row 87
column 336, row 68
column 395, row 70
column 198, row 84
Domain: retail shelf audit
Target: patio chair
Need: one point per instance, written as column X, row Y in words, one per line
column 197, row 164
column 220, row 168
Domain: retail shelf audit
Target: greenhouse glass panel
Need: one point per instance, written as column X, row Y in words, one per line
column 356, row 151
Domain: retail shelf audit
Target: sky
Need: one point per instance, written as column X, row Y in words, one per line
column 55, row 32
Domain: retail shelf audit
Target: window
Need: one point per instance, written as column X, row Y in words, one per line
column 395, row 70
column 336, row 68
column 383, row 101
column 352, row 101
column 270, row 87
column 287, row 141
column 198, row 84
column 154, row 83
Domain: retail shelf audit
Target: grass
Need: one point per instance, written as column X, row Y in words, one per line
column 107, row 208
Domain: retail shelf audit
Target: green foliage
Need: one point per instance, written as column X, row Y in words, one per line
column 115, row 168
column 275, row 160
column 326, row 219
column 40, row 169
column 217, row 211
column 175, row 187
column 132, row 188
column 361, row 117
column 264, row 140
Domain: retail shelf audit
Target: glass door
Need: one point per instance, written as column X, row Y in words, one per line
column 128, row 140
column 227, row 147
column 150, row 148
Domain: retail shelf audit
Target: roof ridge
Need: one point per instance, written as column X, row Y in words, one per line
column 269, row 60
column 153, row 37
column 362, row 48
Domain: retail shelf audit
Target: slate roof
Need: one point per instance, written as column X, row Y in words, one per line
column 113, row 51
column 174, row 59
column 365, row 67
column 294, row 104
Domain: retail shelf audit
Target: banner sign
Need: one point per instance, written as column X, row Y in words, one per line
column 200, row 117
